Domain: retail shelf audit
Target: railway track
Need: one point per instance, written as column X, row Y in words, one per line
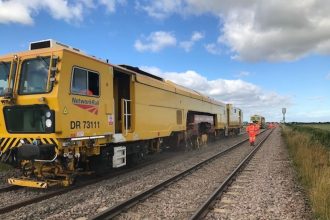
column 8, row 188
column 116, row 210
column 48, row 195
column 205, row 207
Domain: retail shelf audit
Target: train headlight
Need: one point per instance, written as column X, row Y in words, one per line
column 49, row 117
column 48, row 114
column 49, row 123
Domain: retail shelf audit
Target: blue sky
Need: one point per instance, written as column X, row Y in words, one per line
column 260, row 55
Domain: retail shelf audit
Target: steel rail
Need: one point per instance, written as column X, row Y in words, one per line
column 8, row 188
column 119, row 208
column 61, row 191
column 204, row 208
column 46, row 196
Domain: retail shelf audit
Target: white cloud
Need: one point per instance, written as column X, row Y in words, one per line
column 160, row 9
column 187, row 45
column 213, row 49
column 21, row 15
column 197, row 36
column 250, row 97
column 111, row 4
column 22, row 11
column 254, row 30
column 155, row 42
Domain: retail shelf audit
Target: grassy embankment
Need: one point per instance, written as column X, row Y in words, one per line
column 309, row 148
column 321, row 126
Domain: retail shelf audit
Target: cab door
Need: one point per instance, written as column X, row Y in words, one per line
column 122, row 91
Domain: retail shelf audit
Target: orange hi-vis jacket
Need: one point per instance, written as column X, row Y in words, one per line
column 252, row 130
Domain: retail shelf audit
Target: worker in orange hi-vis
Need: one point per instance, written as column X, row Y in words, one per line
column 270, row 126
column 252, row 130
column 257, row 128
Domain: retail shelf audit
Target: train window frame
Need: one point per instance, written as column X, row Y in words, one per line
column 6, row 82
column 88, row 71
column 18, row 74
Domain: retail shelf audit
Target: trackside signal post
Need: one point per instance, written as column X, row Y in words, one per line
column 283, row 112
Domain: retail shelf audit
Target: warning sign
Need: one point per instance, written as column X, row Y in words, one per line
column 110, row 119
column 65, row 110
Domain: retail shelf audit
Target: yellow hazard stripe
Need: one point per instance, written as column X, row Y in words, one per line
column 16, row 143
column 28, row 183
column 30, row 140
column 9, row 144
column 50, row 140
column 3, row 141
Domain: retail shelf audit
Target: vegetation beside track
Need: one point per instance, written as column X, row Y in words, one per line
column 309, row 148
column 319, row 132
column 320, row 126
column 5, row 167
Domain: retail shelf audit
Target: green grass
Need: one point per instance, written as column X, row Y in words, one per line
column 319, row 133
column 319, row 126
column 312, row 162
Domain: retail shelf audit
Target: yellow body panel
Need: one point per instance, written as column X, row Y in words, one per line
column 234, row 116
column 28, row 183
column 154, row 103
column 60, row 99
column 69, row 112
column 156, row 109
column 260, row 120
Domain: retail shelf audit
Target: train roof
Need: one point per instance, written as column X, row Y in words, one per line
column 257, row 116
column 165, row 84
column 45, row 46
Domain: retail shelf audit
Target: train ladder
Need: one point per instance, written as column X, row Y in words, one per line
column 126, row 115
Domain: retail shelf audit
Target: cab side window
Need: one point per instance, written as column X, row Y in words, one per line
column 93, row 83
column 85, row 82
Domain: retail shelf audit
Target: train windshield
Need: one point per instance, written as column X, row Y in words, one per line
column 34, row 76
column 4, row 76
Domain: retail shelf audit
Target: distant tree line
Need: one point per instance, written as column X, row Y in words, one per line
column 308, row 123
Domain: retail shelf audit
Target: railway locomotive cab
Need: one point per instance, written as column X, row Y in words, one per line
column 259, row 120
column 67, row 114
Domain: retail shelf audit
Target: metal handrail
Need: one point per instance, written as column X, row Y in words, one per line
column 125, row 114
column 47, row 161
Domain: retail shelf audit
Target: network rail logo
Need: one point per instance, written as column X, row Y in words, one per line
column 89, row 105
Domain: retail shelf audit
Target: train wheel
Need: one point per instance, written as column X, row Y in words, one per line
column 71, row 180
column 28, row 169
column 140, row 154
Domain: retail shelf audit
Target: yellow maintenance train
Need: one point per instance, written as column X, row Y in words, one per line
column 66, row 114
column 259, row 120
